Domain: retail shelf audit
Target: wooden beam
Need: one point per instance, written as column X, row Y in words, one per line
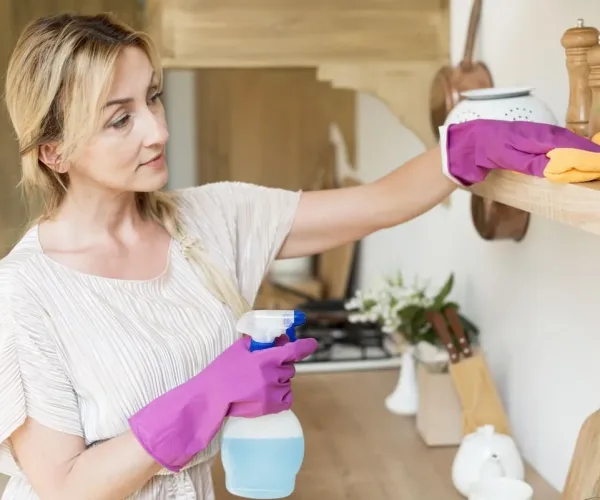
column 265, row 33
column 576, row 205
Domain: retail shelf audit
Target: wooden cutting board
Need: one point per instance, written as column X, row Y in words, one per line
column 583, row 479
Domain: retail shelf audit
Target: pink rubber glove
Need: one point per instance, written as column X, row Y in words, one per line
column 472, row 149
column 179, row 424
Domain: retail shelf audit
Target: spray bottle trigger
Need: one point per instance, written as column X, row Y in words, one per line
column 291, row 333
column 299, row 319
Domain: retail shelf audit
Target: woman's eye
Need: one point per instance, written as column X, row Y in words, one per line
column 121, row 122
column 156, row 97
column 125, row 119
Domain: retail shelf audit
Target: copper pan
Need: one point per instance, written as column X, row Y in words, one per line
column 492, row 220
column 450, row 81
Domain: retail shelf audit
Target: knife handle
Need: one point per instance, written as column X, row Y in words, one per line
column 459, row 331
column 441, row 329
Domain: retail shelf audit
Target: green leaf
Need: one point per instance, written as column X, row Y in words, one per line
column 439, row 299
column 408, row 313
column 369, row 303
column 449, row 305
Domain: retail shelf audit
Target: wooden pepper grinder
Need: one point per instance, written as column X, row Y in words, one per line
column 577, row 41
column 593, row 58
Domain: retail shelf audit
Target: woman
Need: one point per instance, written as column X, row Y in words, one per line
column 119, row 358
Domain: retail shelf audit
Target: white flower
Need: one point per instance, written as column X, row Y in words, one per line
column 382, row 302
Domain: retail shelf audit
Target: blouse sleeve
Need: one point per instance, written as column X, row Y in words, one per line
column 33, row 382
column 252, row 221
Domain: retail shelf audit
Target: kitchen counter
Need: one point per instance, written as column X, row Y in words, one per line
column 357, row 450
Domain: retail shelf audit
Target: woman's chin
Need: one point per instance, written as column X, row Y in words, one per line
column 153, row 180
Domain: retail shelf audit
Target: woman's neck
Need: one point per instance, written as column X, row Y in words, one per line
column 105, row 238
column 90, row 217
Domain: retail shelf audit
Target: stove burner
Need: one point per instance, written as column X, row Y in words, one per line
column 346, row 342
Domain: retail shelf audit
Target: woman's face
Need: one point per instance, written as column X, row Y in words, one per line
column 128, row 153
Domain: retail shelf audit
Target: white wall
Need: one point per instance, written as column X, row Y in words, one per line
column 181, row 117
column 534, row 300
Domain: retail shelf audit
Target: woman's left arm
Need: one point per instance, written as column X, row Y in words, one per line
column 329, row 218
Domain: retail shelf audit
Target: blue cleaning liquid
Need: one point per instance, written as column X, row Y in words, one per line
column 262, row 468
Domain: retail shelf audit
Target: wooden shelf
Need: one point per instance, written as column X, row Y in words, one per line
column 576, row 205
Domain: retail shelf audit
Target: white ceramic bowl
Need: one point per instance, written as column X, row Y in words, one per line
column 509, row 103
column 501, row 488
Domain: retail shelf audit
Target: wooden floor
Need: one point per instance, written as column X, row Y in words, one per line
column 357, row 450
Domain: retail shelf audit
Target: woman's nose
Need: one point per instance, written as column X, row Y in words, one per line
column 156, row 129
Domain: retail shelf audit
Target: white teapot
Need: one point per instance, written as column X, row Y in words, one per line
column 485, row 454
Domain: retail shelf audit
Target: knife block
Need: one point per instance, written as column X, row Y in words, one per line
column 439, row 415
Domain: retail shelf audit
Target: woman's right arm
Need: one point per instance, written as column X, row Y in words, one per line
column 59, row 467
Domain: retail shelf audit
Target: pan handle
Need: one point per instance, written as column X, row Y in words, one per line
column 467, row 62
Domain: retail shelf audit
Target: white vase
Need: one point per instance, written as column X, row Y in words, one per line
column 404, row 400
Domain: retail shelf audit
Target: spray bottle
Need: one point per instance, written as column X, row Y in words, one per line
column 262, row 456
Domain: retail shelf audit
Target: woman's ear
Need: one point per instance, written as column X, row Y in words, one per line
column 50, row 155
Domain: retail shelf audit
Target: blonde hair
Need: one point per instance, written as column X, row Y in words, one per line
column 58, row 77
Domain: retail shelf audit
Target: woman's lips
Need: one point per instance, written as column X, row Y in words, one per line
column 156, row 162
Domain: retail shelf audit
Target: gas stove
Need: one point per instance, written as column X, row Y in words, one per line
column 347, row 346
